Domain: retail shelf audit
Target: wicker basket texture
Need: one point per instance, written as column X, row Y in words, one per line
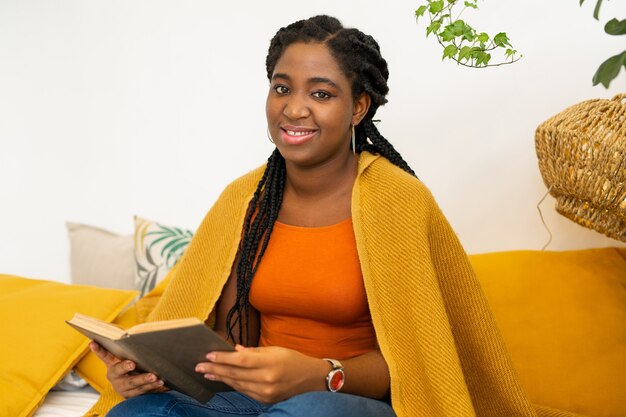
column 582, row 159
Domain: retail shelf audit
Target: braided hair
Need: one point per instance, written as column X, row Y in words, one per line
column 358, row 56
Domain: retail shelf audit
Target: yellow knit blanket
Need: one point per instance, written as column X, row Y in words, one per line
column 435, row 330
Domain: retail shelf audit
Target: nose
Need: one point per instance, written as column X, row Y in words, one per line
column 296, row 107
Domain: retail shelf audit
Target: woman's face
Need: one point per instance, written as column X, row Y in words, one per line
column 310, row 107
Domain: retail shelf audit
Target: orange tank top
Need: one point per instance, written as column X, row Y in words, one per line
column 309, row 292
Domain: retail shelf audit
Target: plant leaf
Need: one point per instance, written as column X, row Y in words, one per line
column 615, row 27
column 170, row 244
column 596, row 11
column 436, row 6
column 449, row 52
column 433, row 28
column 150, row 282
column 458, row 27
column 157, row 241
column 140, row 268
column 149, row 257
column 481, row 57
column 420, row 12
column 176, row 253
column 501, row 39
column 469, row 34
column 609, row 69
column 465, row 53
column 169, row 229
column 456, row 35
column 448, row 34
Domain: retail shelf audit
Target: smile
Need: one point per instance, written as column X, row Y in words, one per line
column 294, row 133
column 293, row 136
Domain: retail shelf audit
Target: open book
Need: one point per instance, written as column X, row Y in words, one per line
column 170, row 349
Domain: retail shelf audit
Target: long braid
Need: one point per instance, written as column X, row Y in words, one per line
column 359, row 58
column 378, row 144
column 258, row 225
column 359, row 55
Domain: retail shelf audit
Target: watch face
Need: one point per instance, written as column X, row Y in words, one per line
column 335, row 382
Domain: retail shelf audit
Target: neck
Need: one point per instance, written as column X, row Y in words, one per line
column 323, row 180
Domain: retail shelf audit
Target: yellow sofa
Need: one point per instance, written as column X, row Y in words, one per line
column 562, row 315
column 563, row 318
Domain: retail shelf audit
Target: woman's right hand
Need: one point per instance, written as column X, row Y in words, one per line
column 119, row 374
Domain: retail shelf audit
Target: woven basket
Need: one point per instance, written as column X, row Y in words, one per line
column 582, row 158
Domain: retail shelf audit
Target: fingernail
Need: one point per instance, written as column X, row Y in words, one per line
column 210, row 376
column 199, row 368
column 211, row 356
column 129, row 365
column 159, row 382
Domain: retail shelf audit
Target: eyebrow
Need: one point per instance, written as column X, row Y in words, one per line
column 313, row 80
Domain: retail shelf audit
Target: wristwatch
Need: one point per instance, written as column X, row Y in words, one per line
column 336, row 377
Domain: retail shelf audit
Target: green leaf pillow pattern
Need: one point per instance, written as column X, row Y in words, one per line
column 157, row 249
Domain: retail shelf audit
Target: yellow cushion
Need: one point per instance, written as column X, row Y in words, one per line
column 563, row 318
column 37, row 346
column 93, row 369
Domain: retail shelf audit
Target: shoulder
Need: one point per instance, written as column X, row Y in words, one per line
column 244, row 186
column 393, row 184
column 232, row 202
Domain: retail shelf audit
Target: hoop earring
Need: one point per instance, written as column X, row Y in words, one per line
column 269, row 136
column 353, row 141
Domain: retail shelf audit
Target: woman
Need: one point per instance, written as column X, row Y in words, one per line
column 347, row 286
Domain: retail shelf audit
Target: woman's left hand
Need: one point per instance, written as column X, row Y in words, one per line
column 267, row 374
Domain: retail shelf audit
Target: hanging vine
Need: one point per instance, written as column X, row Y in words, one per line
column 471, row 48
column 461, row 42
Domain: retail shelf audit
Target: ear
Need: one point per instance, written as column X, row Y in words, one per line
column 361, row 107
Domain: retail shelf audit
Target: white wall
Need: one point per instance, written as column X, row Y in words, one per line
column 115, row 108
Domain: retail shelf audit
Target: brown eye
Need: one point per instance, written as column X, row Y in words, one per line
column 322, row 95
column 281, row 89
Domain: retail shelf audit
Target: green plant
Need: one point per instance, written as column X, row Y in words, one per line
column 609, row 69
column 471, row 48
column 461, row 42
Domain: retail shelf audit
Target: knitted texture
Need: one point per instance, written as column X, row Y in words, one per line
column 435, row 330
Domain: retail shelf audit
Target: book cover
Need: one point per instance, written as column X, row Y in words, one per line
column 170, row 349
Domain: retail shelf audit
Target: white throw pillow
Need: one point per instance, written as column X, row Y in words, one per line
column 101, row 258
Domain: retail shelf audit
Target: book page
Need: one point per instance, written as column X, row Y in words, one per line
column 109, row 330
column 163, row 325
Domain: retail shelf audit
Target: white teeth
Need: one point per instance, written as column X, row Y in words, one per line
column 292, row 133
